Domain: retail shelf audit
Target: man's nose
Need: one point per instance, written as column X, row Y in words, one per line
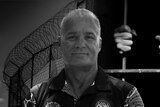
column 80, row 43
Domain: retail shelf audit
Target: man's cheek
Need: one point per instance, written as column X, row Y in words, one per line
column 67, row 44
column 93, row 47
column 64, row 45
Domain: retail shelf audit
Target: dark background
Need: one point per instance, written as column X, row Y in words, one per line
column 143, row 17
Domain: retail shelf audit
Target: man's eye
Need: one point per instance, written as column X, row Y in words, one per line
column 90, row 37
column 71, row 37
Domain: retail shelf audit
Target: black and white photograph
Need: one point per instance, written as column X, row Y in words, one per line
column 79, row 53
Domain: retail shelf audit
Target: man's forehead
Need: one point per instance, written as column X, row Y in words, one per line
column 79, row 22
column 85, row 19
column 77, row 31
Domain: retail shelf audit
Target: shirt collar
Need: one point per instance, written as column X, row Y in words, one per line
column 58, row 82
column 101, row 81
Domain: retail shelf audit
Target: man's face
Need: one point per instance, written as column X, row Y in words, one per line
column 80, row 42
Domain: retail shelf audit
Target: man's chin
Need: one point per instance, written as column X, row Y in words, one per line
column 80, row 63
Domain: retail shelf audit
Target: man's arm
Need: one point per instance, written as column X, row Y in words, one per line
column 134, row 99
column 30, row 100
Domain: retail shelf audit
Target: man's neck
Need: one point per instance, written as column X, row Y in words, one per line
column 80, row 77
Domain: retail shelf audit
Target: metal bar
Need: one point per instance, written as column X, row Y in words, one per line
column 125, row 12
column 124, row 60
column 50, row 60
column 32, row 71
column 132, row 71
column 20, row 87
column 125, row 23
column 9, row 95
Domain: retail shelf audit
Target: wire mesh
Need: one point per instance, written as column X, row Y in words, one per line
column 29, row 61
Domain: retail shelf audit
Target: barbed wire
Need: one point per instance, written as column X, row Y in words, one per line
column 24, row 65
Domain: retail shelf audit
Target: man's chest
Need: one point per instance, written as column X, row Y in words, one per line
column 62, row 99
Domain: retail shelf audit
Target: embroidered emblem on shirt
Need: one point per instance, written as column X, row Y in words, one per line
column 134, row 99
column 102, row 103
column 52, row 104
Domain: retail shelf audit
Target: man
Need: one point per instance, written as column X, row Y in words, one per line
column 82, row 83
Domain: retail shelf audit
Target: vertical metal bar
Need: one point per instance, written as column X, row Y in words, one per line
column 9, row 94
column 125, row 23
column 20, row 86
column 32, row 71
column 17, row 103
column 125, row 12
column 32, row 65
column 124, row 63
column 50, row 60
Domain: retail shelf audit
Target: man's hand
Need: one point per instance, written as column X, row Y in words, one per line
column 158, row 38
column 123, row 37
column 123, row 41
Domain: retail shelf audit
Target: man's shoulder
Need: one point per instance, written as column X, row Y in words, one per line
column 47, row 83
column 119, row 83
column 41, row 86
column 116, row 82
column 35, row 89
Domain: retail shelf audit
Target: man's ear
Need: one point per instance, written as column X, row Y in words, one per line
column 100, row 43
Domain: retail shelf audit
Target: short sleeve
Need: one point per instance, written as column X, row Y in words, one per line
column 134, row 99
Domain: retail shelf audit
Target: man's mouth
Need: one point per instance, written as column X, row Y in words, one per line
column 80, row 54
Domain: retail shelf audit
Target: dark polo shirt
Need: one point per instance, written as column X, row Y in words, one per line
column 106, row 91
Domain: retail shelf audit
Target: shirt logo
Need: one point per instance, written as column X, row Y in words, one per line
column 52, row 104
column 102, row 103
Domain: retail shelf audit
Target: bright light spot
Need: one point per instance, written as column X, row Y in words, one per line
column 2, row 100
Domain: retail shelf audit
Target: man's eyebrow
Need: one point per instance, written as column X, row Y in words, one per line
column 71, row 33
column 90, row 32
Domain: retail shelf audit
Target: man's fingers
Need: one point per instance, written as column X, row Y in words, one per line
column 124, row 35
column 158, row 37
column 123, row 28
column 124, row 42
column 123, row 47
